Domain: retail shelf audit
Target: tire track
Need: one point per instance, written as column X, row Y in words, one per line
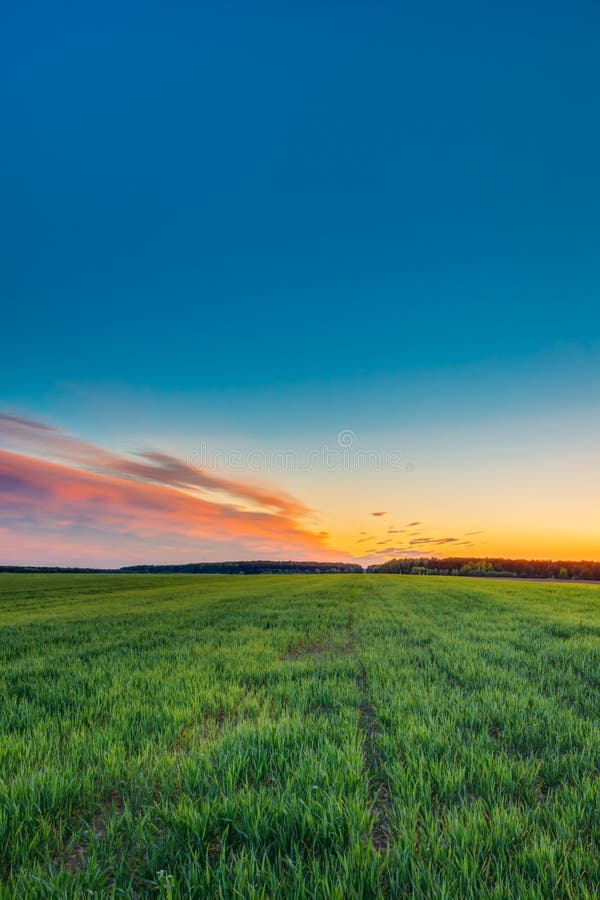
column 378, row 791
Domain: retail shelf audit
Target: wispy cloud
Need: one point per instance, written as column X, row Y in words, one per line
column 18, row 422
column 379, row 513
column 426, row 540
column 79, row 503
column 145, row 465
column 406, row 552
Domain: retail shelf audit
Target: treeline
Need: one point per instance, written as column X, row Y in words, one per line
column 243, row 567
column 584, row 570
column 65, row 570
column 251, row 567
column 496, row 567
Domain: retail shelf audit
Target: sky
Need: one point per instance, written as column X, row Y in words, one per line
column 269, row 269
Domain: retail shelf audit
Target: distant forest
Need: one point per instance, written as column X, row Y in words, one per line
column 492, row 567
column 243, row 567
column 251, row 567
column 496, row 567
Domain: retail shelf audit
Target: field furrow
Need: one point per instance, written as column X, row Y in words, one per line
column 298, row 736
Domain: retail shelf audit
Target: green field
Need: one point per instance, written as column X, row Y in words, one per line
column 298, row 736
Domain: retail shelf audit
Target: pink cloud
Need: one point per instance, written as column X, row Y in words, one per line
column 68, row 501
column 36, row 438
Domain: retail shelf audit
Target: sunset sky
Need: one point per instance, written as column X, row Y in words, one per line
column 307, row 281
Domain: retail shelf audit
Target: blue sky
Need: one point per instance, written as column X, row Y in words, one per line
column 238, row 195
column 267, row 220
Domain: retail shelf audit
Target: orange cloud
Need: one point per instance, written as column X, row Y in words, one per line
column 53, row 444
column 81, row 504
